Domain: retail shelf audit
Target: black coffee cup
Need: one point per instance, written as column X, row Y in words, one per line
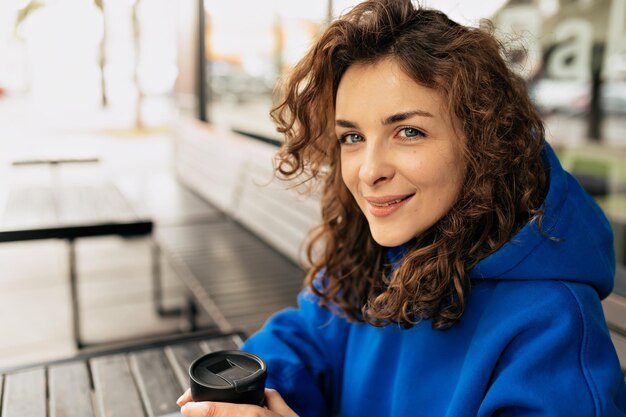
column 230, row 376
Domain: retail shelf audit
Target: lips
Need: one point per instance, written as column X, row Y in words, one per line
column 386, row 205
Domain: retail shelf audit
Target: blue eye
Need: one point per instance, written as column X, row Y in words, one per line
column 350, row 139
column 410, row 132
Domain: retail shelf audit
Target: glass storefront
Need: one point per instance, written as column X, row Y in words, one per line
column 214, row 59
column 571, row 52
column 246, row 54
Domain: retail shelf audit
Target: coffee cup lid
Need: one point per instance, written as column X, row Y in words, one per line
column 228, row 369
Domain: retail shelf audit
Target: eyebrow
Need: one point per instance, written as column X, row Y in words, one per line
column 394, row 118
column 398, row 117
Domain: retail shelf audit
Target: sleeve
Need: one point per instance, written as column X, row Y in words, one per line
column 561, row 363
column 304, row 350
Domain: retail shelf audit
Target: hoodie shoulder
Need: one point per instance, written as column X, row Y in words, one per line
column 573, row 243
column 553, row 328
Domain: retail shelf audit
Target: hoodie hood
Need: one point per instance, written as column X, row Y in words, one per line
column 575, row 243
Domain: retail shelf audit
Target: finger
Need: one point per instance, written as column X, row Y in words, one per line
column 275, row 403
column 184, row 399
column 215, row 409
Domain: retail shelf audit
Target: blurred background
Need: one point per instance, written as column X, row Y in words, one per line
column 116, row 85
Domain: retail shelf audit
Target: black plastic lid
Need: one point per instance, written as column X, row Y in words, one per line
column 228, row 376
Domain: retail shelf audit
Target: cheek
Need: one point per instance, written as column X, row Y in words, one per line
column 455, row 181
column 442, row 176
column 459, row 167
column 347, row 172
column 453, row 164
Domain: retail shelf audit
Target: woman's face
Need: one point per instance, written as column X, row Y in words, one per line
column 400, row 155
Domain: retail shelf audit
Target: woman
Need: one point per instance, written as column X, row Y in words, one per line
column 458, row 270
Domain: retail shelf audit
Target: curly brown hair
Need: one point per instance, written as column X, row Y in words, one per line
column 505, row 181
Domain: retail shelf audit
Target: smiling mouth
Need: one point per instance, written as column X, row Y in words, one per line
column 385, row 206
column 387, row 201
column 392, row 202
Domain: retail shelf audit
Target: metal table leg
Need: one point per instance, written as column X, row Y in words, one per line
column 75, row 309
column 157, row 292
column 157, row 287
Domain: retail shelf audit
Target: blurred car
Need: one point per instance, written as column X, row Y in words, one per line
column 229, row 81
column 614, row 97
column 573, row 97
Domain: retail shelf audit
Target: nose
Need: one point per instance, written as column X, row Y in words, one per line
column 376, row 165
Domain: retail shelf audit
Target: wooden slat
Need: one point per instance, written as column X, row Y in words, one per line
column 29, row 207
column 284, row 282
column 68, row 205
column 245, row 265
column 116, row 392
column 248, row 324
column 620, row 278
column 92, row 204
column 69, row 390
column 68, row 213
column 213, row 175
column 25, row 394
column 619, row 342
column 224, row 343
column 276, row 216
column 279, row 290
column 247, row 304
column 615, row 311
column 181, row 356
column 157, row 382
column 217, row 251
column 232, row 271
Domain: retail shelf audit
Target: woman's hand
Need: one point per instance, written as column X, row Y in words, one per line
column 276, row 407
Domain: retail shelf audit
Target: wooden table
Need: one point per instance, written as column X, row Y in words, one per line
column 71, row 212
column 143, row 381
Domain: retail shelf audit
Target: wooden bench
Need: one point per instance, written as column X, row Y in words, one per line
column 248, row 264
column 70, row 212
column 615, row 311
column 130, row 381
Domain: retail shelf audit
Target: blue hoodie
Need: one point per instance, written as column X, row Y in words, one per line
column 532, row 341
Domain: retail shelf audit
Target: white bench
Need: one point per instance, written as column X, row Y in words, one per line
column 235, row 173
column 245, row 265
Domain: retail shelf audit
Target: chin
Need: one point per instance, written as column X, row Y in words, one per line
column 390, row 240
